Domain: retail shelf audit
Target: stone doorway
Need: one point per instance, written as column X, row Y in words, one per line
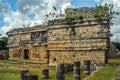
column 26, row 54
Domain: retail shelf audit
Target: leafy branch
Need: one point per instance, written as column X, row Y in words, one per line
column 105, row 11
column 58, row 18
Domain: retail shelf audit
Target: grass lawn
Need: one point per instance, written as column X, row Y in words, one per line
column 10, row 70
column 114, row 60
column 107, row 72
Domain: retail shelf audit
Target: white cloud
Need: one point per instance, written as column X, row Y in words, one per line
column 4, row 7
column 13, row 20
column 115, row 30
column 25, row 7
column 97, row 1
column 66, row 5
column 3, row 30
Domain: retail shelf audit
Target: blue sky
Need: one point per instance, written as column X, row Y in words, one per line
column 83, row 3
column 1, row 20
column 12, row 4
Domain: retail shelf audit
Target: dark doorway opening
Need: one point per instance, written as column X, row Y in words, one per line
column 26, row 53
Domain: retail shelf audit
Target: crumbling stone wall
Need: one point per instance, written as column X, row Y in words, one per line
column 80, row 12
column 13, row 53
column 85, row 38
column 39, row 53
column 68, row 43
column 113, row 51
column 32, row 40
column 13, row 40
column 57, row 56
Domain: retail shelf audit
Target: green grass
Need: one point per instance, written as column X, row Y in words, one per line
column 69, row 76
column 10, row 70
column 105, row 73
column 9, row 74
column 114, row 60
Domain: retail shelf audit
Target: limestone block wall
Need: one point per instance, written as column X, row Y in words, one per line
column 78, row 32
column 85, row 38
column 25, row 37
column 13, row 53
column 77, row 44
column 35, row 52
column 39, row 53
column 85, row 41
column 39, row 37
column 13, row 40
column 71, row 56
column 18, row 52
column 61, row 43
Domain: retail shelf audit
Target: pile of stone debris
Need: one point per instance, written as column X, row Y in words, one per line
column 113, row 51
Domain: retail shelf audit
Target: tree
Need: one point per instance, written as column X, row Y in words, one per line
column 3, row 43
column 106, row 11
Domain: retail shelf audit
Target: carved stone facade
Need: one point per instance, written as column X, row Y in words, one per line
column 86, row 39
column 28, row 43
column 68, row 43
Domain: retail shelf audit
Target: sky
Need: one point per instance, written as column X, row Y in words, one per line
column 17, row 13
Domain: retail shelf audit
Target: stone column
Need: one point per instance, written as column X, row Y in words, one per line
column 23, row 74
column 32, row 77
column 77, row 70
column 45, row 73
column 86, row 66
column 60, row 71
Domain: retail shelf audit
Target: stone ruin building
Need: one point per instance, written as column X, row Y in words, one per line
column 83, row 39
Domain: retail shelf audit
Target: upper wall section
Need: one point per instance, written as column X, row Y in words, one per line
column 27, row 29
column 77, row 13
column 90, row 34
column 32, row 35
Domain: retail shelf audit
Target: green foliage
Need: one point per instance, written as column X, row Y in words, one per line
column 3, row 43
column 106, row 11
column 58, row 17
column 100, row 11
column 117, row 44
column 68, row 18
